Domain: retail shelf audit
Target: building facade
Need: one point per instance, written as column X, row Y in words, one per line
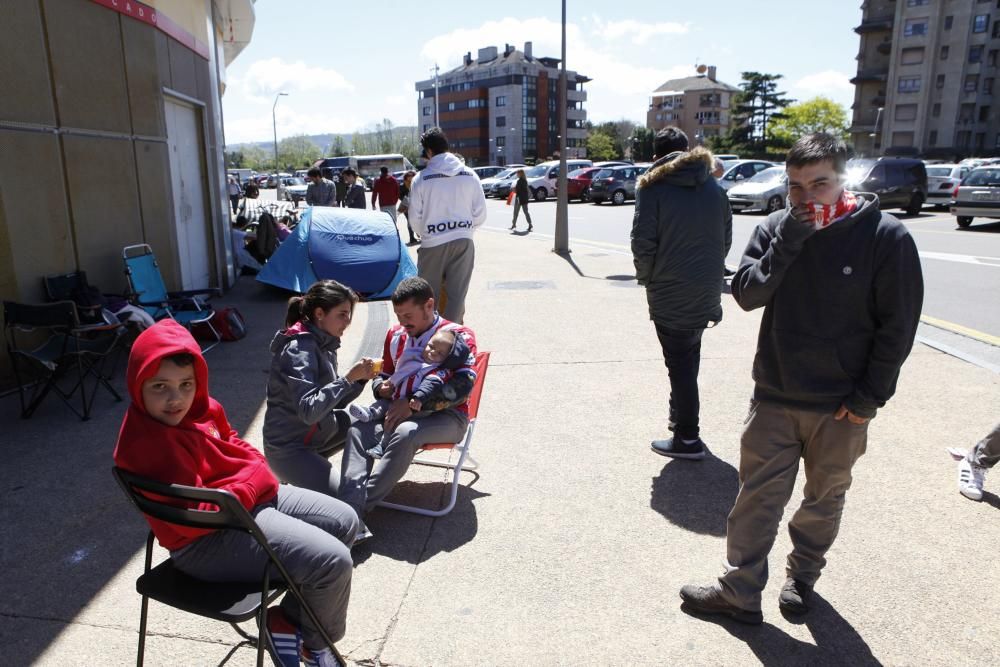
column 699, row 105
column 502, row 107
column 926, row 76
column 111, row 135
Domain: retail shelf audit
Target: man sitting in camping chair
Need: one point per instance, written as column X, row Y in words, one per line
column 444, row 416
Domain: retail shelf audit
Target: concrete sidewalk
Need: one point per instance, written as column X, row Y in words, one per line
column 572, row 544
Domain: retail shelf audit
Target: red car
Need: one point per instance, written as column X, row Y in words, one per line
column 578, row 183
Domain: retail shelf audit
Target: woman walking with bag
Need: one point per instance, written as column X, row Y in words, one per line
column 521, row 196
column 404, row 204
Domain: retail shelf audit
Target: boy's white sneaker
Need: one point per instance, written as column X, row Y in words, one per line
column 360, row 412
column 970, row 480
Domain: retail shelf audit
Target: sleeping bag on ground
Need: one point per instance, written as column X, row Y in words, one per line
column 361, row 249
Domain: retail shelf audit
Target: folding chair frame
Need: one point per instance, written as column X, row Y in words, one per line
column 230, row 515
column 161, row 308
column 462, row 447
column 64, row 322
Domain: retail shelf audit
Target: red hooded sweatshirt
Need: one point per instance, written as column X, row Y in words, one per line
column 203, row 450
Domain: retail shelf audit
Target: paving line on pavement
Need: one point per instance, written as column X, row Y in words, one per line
column 615, row 247
column 958, row 354
column 979, row 260
column 968, row 332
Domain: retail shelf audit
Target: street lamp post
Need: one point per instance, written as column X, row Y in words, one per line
column 274, row 124
column 562, row 200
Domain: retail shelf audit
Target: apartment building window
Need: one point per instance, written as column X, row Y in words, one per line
column 991, row 56
column 913, row 55
column 976, row 53
column 909, row 84
column 980, row 141
column 980, row 22
column 966, row 112
column 936, row 110
column 940, row 81
column 997, row 141
column 427, row 111
column 501, row 101
column 948, row 20
column 944, row 53
column 906, row 112
column 962, row 138
column 902, row 138
column 915, row 27
column 971, row 83
column 932, row 138
column 475, row 104
column 915, row 3
column 984, row 114
column 996, row 26
column 988, row 85
column 451, row 106
column 501, row 121
column 501, row 142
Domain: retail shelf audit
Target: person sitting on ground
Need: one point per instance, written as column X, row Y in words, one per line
column 972, row 465
column 354, row 196
column 244, row 260
column 419, row 374
column 175, row 433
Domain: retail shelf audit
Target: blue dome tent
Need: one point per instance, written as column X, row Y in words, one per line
column 361, row 249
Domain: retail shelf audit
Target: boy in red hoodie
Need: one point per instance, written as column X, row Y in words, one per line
column 174, row 432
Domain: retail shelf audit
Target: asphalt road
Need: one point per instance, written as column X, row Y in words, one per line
column 961, row 266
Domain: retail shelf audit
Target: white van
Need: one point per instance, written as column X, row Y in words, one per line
column 542, row 178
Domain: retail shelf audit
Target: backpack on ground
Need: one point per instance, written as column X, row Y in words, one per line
column 227, row 321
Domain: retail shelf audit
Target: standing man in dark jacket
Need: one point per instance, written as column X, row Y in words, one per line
column 681, row 233
column 841, row 288
column 355, row 193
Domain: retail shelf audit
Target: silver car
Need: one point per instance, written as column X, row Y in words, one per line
column 741, row 171
column 764, row 192
column 978, row 196
column 942, row 179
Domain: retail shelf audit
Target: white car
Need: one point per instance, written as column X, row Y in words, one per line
column 293, row 189
column 542, row 177
column 764, row 192
column 491, row 182
column 942, row 179
column 742, row 170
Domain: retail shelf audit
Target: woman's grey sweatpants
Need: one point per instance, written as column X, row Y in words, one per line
column 311, row 533
column 308, row 467
column 986, row 454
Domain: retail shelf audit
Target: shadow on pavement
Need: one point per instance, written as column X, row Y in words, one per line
column 837, row 642
column 679, row 494
column 412, row 538
column 989, row 228
column 991, row 499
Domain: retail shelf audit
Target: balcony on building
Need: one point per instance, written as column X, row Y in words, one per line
column 871, row 74
column 875, row 24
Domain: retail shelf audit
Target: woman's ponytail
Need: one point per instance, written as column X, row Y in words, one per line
column 325, row 294
column 295, row 312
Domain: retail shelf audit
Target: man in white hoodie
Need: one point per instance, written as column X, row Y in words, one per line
column 446, row 205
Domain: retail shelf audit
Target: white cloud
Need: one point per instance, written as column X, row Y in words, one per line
column 639, row 32
column 257, row 127
column 263, row 79
column 828, row 82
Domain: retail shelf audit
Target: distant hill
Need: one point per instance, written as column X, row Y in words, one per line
column 325, row 140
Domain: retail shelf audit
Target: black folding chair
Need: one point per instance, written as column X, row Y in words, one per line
column 230, row 602
column 49, row 349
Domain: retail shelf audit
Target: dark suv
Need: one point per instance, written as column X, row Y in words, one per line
column 615, row 183
column 899, row 182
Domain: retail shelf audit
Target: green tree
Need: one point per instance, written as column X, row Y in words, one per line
column 337, row 147
column 234, row 159
column 641, row 144
column 298, row 151
column 754, row 107
column 600, row 147
column 819, row 114
column 255, row 157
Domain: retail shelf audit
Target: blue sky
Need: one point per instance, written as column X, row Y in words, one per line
column 346, row 66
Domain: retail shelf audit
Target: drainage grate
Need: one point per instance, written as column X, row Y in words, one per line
column 523, row 284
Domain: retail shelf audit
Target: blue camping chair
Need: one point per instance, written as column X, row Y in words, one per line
column 187, row 308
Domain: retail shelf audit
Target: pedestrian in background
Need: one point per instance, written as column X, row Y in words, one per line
column 320, row 191
column 972, row 465
column 841, row 288
column 354, row 196
column 234, row 194
column 681, row 232
column 521, row 196
column 385, row 190
column 446, row 205
column 338, row 180
column 404, row 204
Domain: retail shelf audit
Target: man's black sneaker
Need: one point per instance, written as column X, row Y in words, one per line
column 794, row 597
column 677, row 448
column 709, row 600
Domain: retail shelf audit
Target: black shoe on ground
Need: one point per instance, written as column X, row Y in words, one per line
column 678, row 449
column 708, row 600
column 794, row 597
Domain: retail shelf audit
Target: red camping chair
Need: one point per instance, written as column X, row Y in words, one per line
column 462, row 448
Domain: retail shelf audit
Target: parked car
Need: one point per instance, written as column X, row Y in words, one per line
column 742, row 170
column 489, row 184
column 899, row 182
column 486, row 172
column 272, row 179
column 398, row 175
column 302, row 173
column 765, row 192
column 978, row 196
column 942, row 179
column 616, row 183
column 542, row 177
column 728, row 157
column 294, row 189
column 261, row 180
column 578, row 183
column 611, row 163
